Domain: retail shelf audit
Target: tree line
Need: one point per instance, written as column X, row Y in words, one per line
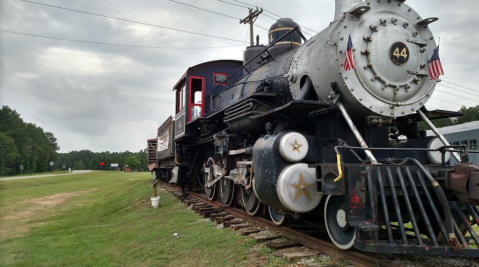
column 24, row 144
column 470, row 114
column 88, row 160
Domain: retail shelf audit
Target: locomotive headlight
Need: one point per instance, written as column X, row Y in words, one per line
column 435, row 156
column 293, row 147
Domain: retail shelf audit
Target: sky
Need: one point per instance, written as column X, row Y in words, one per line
column 114, row 98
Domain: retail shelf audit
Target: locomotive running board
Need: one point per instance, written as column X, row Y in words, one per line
column 398, row 213
column 293, row 108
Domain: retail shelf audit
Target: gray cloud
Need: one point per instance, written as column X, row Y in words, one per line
column 112, row 98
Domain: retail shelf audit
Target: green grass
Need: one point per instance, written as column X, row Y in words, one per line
column 106, row 219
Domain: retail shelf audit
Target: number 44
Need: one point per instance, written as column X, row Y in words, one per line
column 402, row 54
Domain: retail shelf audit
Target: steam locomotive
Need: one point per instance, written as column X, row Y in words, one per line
column 292, row 131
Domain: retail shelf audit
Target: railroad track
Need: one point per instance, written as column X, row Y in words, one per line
column 242, row 221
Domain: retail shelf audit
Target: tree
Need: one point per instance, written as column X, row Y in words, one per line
column 9, row 120
column 8, row 155
column 52, row 141
column 79, row 165
column 470, row 114
column 32, row 146
column 438, row 123
column 132, row 162
column 142, row 156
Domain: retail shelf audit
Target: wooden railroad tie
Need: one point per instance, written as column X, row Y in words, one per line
column 197, row 206
column 205, row 210
column 249, row 231
column 260, row 238
column 237, row 227
column 224, row 219
column 200, row 208
column 220, row 214
column 280, row 245
column 290, row 256
column 188, row 202
column 227, row 224
column 208, row 214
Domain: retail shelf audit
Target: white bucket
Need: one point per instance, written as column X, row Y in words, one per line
column 155, row 202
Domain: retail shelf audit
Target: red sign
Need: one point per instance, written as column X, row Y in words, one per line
column 102, row 163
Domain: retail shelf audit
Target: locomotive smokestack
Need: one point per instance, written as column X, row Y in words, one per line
column 342, row 6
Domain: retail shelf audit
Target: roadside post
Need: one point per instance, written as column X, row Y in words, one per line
column 21, row 169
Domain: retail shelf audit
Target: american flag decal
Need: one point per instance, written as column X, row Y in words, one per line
column 349, row 61
column 435, row 66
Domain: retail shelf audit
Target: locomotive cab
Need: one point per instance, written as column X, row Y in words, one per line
column 195, row 90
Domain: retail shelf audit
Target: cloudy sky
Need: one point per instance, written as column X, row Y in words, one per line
column 113, row 98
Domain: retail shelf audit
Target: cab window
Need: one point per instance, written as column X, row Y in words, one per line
column 196, row 97
column 180, row 99
column 219, row 78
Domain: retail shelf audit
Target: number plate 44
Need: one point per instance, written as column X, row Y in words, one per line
column 399, row 53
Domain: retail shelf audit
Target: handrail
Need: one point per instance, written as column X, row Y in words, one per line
column 259, row 54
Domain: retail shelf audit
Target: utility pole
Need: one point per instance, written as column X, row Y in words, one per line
column 251, row 18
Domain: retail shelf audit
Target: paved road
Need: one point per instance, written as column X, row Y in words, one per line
column 41, row 176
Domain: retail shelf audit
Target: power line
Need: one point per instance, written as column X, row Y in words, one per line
column 132, row 21
column 447, row 101
column 263, row 9
column 205, row 10
column 460, row 86
column 458, row 89
column 226, row 2
column 113, row 44
column 247, row 8
column 244, row 3
column 269, row 17
column 214, row 12
column 246, row 39
column 274, row 15
column 456, row 95
column 233, row 4
column 262, row 13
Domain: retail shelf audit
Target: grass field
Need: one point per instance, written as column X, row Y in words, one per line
column 105, row 219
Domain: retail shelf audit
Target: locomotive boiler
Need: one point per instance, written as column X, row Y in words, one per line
column 327, row 127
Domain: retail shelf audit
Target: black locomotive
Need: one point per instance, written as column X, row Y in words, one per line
column 292, row 130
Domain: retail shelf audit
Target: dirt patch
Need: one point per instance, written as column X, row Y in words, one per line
column 53, row 200
column 140, row 201
column 20, row 217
